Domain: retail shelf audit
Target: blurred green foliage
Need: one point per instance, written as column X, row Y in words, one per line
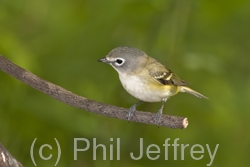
column 204, row 42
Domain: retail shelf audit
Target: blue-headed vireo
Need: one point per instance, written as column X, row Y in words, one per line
column 145, row 78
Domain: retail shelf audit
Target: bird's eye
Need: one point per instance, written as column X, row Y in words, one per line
column 119, row 61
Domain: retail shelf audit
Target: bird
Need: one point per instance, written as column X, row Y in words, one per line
column 145, row 78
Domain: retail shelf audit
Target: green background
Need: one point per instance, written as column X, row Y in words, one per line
column 205, row 42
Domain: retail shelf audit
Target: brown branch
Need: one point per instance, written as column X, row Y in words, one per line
column 6, row 159
column 77, row 101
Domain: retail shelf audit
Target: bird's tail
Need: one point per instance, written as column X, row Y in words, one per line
column 191, row 91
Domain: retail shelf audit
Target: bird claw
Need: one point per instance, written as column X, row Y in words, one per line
column 131, row 111
column 158, row 117
column 159, row 113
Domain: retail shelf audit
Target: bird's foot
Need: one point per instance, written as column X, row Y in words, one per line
column 132, row 109
column 158, row 117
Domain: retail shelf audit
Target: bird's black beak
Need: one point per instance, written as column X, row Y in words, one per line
column 104, row 60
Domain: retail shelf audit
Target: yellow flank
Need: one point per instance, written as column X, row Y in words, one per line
column 162, row 90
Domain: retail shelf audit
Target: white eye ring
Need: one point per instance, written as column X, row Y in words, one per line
column 119, row 61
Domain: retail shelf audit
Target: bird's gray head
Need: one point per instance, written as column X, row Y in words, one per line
column 125, row 59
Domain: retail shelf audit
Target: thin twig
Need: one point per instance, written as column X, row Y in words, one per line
column 77, row 101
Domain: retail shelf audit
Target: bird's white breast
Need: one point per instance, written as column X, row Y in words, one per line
column 141, row 89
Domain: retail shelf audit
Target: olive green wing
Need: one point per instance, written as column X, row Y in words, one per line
column 164, row 76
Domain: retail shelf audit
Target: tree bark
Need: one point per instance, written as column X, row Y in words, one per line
column 6, row 159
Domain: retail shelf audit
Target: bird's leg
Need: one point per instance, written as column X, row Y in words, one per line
column 159, row 113
column 132, row 109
